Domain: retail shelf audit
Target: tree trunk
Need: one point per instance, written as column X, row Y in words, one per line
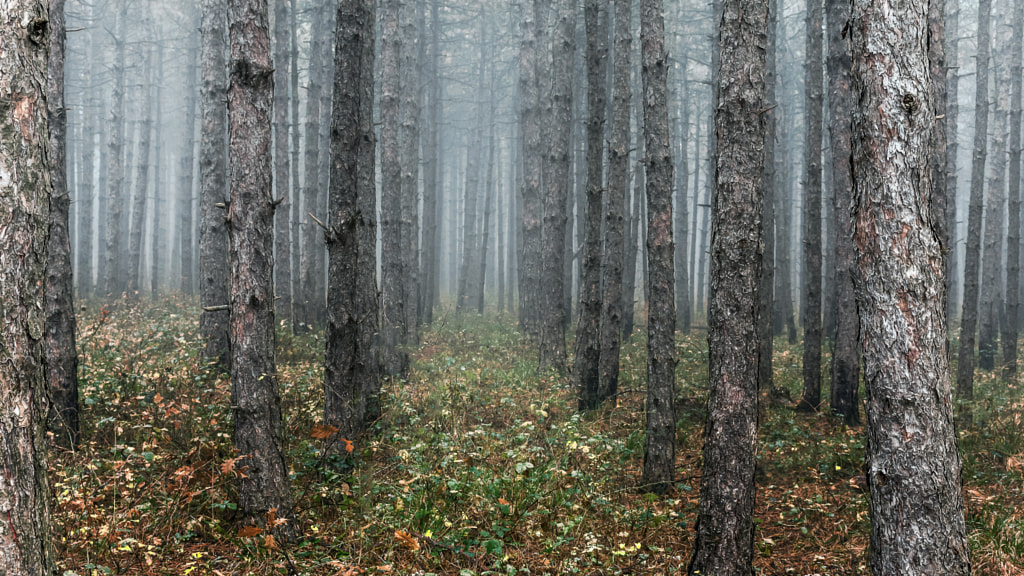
column 702, row 245
column 636, row 233
column 213, row 173
column 845, row 354
column 159, row 240
column 88, row 192
column 485, row 226
column 725, row 530
column 112, row 277
column 766, row 341
column 282, row 220
column 393, row 277
column 25, row 195
column 659, row 455
column 615, row 204
column 940, row 200
column 811, row 314
column 952, row 32
column 429, row 254
column 697, row 210
column 295, row 128
column 61, row 355
column 972, row 255
column 348, row 359
column 1013, row 231
column 913, row 464
column 529, row 94
column 681, row 233
column 187, row 172
column 557, row 187
column 410, row 159
column 586, row 366
column 135, row 237
column 263, row 490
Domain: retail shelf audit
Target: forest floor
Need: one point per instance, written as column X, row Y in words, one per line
column 480, row 466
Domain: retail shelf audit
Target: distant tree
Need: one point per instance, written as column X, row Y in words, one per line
column 952, row 37
column 811, row 314
column 725, row 530
column 586, row 370
column 530, row 53
column 1010, row 324
column 213, row 176
column 141, row 201
column 186, row 172
column 263, row 489
column 25, row 196
column 972, row 255
column 913, row 464
column 409, row 144
column 430, row 252
column 659, row 455
column 112, row 277
column 282, row 222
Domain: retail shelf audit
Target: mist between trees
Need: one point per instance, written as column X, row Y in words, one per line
column 383, row 181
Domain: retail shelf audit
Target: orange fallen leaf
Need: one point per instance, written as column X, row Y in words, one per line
column 320, row 432
column 250, row 531
column 407, row 540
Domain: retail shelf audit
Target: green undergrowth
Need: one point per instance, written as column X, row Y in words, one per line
column 479, row 465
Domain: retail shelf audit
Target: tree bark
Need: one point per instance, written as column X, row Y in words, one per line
column 430, row 253
column 557, row 188
column 471, row 192
column 659, row 455
column 972, row 255
column 681, row 233
column 845, row 353
column 586, row 366
column 88, row 191
column 725, row 531
column 263, row 490
column 139, row 206
column 766, row 341
column 615, row 203
column 913, row 464
column 213, row 172
column 529, row 94
column 61, row 355
column 811, row 314
column 636, row 233
column 1010, row 333
column 187, row 172
column 392, row 273
column 25, row 196
column 410, row 158
column 112, row 276
column 282, row 216
column 952, row 32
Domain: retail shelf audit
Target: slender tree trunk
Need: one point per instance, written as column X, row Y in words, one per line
column 629, row 295
column 972, row 255
column 61, row 356
column 659, row 455
column 766, row 341
column 684, row 307
column 409, row 144
column 845, row 354
column 282, row 216
column 263, row 490
column 940, row 201
column 112, row 277
column 471, row 192
column 529, row 90
column 952, row 37
column 557, row 188
column 429, row 253
column 213, row 173
column 811, row 314
column 913, row 464
column 393, row 277
column 312, row 235
column 187, row 173
column 696, row 214
column 25, row 193
column 702, row 246
column 348, row 357
column 88, row 191
column 725, row 530
column 139, row 206
column 485, row 226
column 586, row 367
column 159, row 240
column 1011, row 317
column 501, row 241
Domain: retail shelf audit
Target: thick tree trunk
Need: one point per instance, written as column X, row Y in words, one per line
column 112, row 276
column 557, row 187
column 25, row 193
column 139, row 206
column 659, row 455
column 972, row 255
column 263, row 490
column 392, row 273
column 615, row 204
column 586, row 366
column 529, row 94
column 349, row 359
column 1013, row 231
column 61, row 355
column 282, row 216
column 725, row 529
column 811, row 313
column 913, row 464
column 213, row 173
column 409, row 145
column 845, row 353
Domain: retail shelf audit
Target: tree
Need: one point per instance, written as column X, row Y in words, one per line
column 213, row 173
column 61, row 355
column 1013, row 231
column 586, row 374
column 430, row 259
column 845, row 353
column 135, row 238
column 913, row 464
column 409, row 145
column 263, row 490
column 348, row 358
column 725, row 530
column 951, row 35
column 557, row 185
column 615, row 203
column 186, row 173
column 812, row 212
column 766, row 341
column 972, row 255
column 659, row 456
column 529, row 94
column 282, row 222
column 115, row 165
column 25, row 193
